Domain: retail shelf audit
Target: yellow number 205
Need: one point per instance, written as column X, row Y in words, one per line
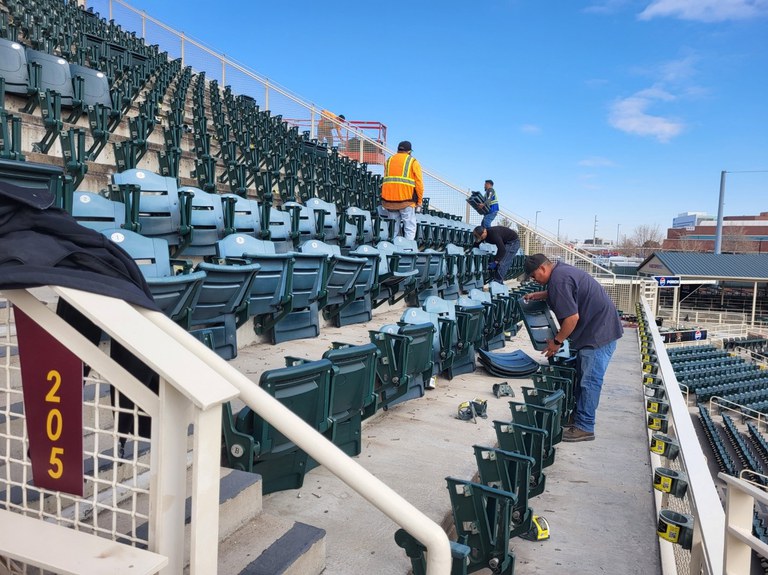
column 54, row 425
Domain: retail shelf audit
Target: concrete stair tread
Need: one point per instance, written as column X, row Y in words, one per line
column 272, row 545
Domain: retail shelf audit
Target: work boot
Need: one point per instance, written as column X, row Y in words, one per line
column 575, row 434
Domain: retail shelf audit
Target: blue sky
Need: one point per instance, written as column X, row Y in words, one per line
column 624, row 110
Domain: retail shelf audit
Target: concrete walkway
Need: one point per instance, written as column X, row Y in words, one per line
column 598, row 499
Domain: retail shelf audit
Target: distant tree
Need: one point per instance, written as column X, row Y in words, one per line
column 688, row 244
column 736, row 240
column 647, row 236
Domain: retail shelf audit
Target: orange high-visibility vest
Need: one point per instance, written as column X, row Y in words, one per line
column 402, row 179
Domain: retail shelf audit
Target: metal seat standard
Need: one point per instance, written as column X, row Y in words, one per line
column 509, row 472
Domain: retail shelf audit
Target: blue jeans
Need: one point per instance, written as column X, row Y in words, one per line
column 488, row 219
column 504, row 265
column 591, row 364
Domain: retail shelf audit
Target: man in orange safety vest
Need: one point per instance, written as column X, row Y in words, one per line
column 402, row 190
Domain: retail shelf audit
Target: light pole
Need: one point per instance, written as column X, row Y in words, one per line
column 536, row 220
column 618, row 227
column 558, row 228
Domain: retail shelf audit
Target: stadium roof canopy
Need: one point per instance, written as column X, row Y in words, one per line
column 707, row 266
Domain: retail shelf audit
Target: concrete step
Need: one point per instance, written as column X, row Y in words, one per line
column 269, row 544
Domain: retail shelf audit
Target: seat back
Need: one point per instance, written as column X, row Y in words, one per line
column 54, row 76
column 95, row 85
column 304, row 390
column 150, row 254
column 271, row 294
column 351, row 391
column 509, row 472
column 97, row 212
column 482, row 516
column 539, row 322
column 325, row 218
column 207, row 221
column 243, row 217
column 159, row 205
column 280, row 229
column 13, row 66
column 340, row 272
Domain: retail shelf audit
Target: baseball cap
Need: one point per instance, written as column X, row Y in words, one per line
column 404, row 146
column 534, row 262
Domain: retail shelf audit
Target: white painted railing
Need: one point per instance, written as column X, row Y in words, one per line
column 194, row 382
column 740, row 501
column 702, row 500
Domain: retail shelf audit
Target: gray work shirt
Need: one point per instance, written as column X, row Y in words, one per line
column 570, row 291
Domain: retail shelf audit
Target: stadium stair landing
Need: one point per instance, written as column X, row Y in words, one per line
column 598, row 500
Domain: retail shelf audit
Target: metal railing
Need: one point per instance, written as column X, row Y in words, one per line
column 740, row 501
column 194, row 382
column 146, row 484
column 271, row 96
column 701, row 500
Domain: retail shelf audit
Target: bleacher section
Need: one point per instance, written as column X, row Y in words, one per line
column 239, row 221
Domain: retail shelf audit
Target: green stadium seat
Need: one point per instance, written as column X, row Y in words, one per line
column 340, row 276
column 261, row 448
column 271, row 298
column 444, row 340
column 482, row 516
column 13, row 67
column 405, row 363
column 397, row 273
column 223, row 299
column 526, row 440
column 206, row 221
column 510, row 472
column 416, row 552
column 155, row 203
column 176, row 295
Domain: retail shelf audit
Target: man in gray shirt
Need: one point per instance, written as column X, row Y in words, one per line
column 588, row 317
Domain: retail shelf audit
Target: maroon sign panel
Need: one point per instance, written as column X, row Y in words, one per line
column 52, row 381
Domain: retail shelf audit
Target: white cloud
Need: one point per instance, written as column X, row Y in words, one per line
column 705, row 10
column 596, row 162
column 530, row 129
column 605, row 6
column 631, row 115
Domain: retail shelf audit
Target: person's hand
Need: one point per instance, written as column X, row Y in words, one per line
column 492, row 266
column 552, row 348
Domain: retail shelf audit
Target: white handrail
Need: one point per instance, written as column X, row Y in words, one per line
column 710, row 518
column 378, row 493
column 739, row 541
